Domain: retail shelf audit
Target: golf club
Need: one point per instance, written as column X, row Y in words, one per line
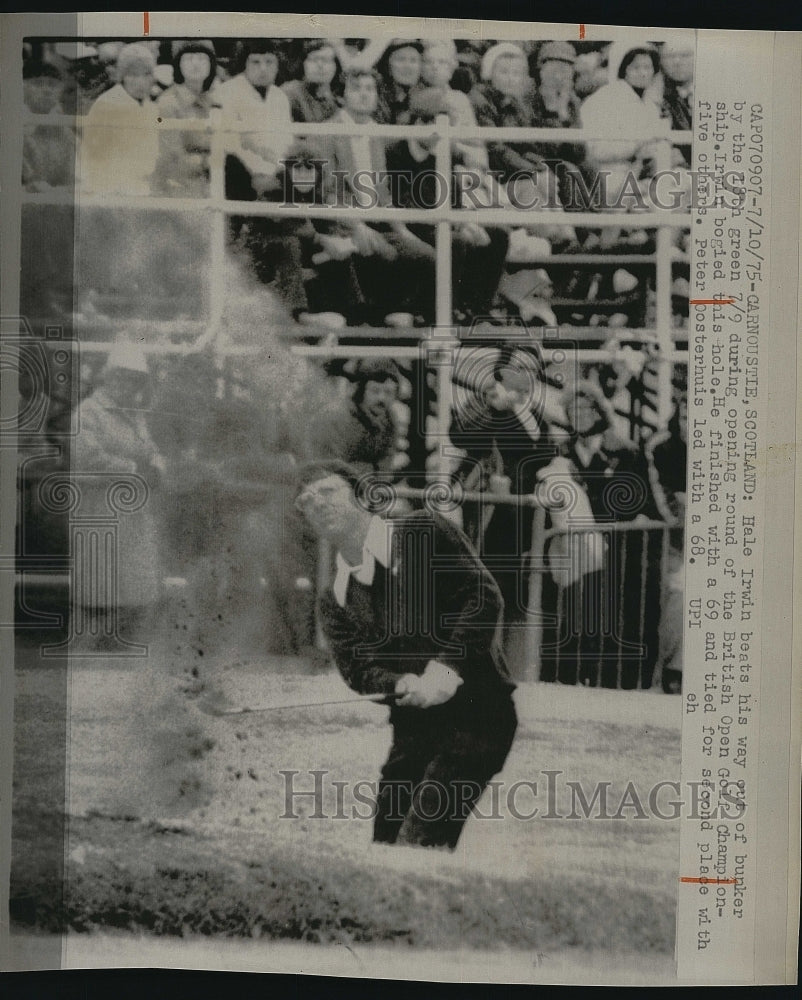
column 217, row 706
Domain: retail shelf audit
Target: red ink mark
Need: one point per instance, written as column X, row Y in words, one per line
column 709, row 881
column 711, row 302
column 145, row 22
column 581, row 31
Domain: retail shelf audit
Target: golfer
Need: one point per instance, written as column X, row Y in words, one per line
column 413, row 614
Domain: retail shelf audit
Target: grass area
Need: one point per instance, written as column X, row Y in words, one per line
column 174, row 824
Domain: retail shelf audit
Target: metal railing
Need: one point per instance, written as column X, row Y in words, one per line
column 439, row 342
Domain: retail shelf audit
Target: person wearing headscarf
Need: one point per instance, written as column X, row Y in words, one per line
column 114, row 448
column 399, row 70
column 553, row 100
column 120, row 144
column 182, row 168
column 624, row 106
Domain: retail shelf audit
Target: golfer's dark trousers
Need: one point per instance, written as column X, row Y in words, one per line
column 439, row 764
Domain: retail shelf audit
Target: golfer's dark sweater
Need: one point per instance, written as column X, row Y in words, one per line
column 437, row 601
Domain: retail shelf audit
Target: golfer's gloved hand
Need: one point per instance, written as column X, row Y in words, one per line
column 437, row 684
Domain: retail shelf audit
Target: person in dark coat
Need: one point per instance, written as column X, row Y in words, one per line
column 614, row 475
column 507, row 438
column 311, row 99
column 413, row 614
column 399, row 69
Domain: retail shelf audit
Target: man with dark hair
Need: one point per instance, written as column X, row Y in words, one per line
column 413, row 614
column 390, row 262
column 371, row 437
column 252, row 98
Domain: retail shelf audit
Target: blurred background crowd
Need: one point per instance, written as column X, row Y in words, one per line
column 219, row 439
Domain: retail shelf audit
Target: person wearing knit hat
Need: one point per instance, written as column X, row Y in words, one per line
column 554, row 104
column 120, row 144
column 499, row 101
column 502, row 50
column 136, row 64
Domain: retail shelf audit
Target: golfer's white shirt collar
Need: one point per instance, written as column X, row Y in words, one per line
column 377, row 548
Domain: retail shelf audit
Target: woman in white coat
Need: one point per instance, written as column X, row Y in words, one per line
column 624, row 107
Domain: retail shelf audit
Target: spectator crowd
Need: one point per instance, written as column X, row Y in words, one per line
column 260, row 93
column 516, row 429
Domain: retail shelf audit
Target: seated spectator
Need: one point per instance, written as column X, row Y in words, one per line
column 48, row 151
column 438, row 67
column 251, row 98
column 384, row 289
column 625, row 107
column 477, row 253
column 307, row 261
column 499, row 102
column 554, row 101
column 677, row 64
column 311, row 98
column 182, row 168
column 120, row 144
column 85, row 77
column 399, row 71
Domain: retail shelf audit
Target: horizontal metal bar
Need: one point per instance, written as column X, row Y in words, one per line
column 488, row 132
column 613, row 527
column 415, row 352
column 456, row 216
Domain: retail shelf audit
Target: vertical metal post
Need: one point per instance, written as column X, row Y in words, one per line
column 534, row 609
column 444, row 316
column 217, row 249
column 663, row 316
column 322, row 582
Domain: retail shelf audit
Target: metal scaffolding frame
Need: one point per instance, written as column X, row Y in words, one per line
column 435, row 346
column 439, row 342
